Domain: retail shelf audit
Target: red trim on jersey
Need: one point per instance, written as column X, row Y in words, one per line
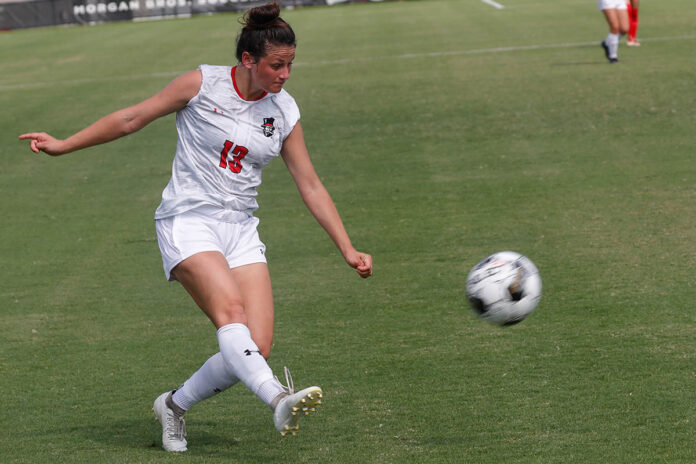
column 234, row 82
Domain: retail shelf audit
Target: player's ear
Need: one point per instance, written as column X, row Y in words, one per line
column 247, row 60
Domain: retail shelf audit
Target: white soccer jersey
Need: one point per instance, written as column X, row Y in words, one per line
column 223, row 142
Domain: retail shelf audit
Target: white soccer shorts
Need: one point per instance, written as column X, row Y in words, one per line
column 611, row 4
column 186, row 234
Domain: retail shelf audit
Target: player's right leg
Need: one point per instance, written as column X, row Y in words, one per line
column 234, row 291
column 237, row 300
column 173, row 424
column 611, row 43
column 212, row 378
column 179, row 238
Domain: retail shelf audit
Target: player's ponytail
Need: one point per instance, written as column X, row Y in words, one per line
column 263, row 26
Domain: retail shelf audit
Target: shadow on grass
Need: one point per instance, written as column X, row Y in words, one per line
column 134, row 434
column 582, row 63
column 215, row 440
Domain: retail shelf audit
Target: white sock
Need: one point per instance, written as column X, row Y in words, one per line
column 612, row 42
column 245, row 361
column 212, row 378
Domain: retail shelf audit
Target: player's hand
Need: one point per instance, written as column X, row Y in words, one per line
column 361, row 262
column 42, row 142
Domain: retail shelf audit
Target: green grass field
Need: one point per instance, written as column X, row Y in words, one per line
column 445, row 130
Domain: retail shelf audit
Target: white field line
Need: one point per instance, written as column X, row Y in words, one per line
column 33, row 85
column 480, row 51
column 493, row 4
column 346, row 61
column 534, row 5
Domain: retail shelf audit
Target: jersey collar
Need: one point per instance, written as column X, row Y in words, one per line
column 239, row 94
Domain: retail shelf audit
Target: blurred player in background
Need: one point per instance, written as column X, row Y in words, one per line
column 231, row 121
column 632, row 9
column 617, row 18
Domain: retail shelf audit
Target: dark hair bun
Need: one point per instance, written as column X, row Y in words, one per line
column 262, row 17
column 262, row 27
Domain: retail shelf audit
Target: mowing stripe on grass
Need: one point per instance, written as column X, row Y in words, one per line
column 33, row 85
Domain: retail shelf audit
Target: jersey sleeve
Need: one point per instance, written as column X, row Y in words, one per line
column 206, row 82
column 291, row 113
column 196, row 98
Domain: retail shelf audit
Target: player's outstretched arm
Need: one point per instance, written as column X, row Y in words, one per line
column 122, row 122
column 319, row 201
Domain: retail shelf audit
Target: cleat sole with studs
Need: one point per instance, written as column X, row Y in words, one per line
column 303, row 407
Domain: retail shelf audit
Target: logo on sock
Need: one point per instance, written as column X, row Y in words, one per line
column 248, row 352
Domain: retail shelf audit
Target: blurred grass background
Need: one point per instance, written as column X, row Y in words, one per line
column 445, row 130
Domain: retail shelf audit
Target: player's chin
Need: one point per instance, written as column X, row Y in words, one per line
column 275, row 88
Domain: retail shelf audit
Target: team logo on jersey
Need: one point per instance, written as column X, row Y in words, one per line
column 268, row 127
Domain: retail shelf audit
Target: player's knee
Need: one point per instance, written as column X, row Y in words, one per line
column 231, row 312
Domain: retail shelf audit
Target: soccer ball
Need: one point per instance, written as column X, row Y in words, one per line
column 504, row 288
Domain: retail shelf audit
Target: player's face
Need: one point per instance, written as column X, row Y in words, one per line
column 272, row 70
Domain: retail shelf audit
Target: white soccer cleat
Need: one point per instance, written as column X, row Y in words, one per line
column 173, row 426
column 289, row 409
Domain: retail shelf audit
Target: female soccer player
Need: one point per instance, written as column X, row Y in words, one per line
column 632, row 10
column 617, row 18
column 231, row 121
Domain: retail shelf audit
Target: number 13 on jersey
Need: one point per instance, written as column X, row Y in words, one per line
column 238, row 152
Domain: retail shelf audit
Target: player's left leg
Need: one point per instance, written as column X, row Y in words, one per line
column 254, row 283
column 215, row 376
column 207, row 277
column 622, row 16
column 632, row 11
column 255, row 286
